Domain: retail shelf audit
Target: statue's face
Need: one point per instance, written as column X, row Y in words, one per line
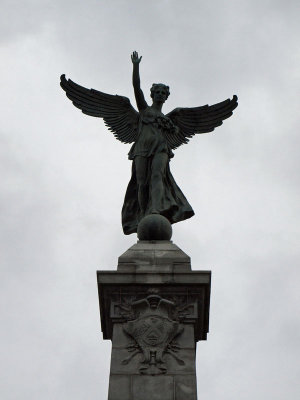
column 160, row 94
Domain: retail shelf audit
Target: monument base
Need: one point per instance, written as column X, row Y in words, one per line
column 154, row 308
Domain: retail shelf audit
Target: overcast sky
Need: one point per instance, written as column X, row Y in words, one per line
column 64, row 178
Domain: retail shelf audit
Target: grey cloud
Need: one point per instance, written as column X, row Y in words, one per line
column 59, row 225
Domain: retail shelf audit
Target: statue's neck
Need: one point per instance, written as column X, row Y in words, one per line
column 157, row 106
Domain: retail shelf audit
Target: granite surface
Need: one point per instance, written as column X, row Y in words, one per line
column 154, row 308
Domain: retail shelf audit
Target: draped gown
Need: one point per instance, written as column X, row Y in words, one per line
column 151, row 140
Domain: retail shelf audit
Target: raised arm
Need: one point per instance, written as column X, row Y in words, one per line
column 139, row 95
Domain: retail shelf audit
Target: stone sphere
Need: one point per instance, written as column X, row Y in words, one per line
column 154, row 227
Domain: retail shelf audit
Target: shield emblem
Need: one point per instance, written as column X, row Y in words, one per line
column 153, row 332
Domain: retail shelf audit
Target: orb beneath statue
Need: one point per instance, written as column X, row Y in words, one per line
column 154, row 227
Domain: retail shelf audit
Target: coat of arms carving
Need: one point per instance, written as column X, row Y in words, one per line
column 153, row 330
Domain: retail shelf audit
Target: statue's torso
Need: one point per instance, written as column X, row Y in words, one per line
column 151, row 134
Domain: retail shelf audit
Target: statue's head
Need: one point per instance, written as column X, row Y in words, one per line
column 159, row 92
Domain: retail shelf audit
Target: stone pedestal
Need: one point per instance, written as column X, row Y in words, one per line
column 154, row 308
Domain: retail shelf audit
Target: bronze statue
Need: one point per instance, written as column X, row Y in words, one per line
column 152, row 188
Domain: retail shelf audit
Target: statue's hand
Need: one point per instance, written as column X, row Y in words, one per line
column 135, row 58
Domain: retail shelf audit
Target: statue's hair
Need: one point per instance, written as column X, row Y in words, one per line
column 155, row 85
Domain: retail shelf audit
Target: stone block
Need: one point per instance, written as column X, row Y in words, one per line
column 119, row 387
column 152, row 387
column 153, row 289
column 185, row 387
column 159, row 256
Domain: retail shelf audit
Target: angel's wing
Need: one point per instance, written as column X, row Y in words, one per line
column 118, row 114
column 198, row 120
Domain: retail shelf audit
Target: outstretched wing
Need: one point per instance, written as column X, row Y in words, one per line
column 118, row 114
column 198, row 120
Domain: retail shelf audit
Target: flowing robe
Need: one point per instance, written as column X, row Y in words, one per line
column 151, row 141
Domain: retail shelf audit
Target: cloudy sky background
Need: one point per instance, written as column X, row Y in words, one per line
column 64, row 177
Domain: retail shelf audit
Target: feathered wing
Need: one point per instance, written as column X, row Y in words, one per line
column 198, row 120
column 117, row 112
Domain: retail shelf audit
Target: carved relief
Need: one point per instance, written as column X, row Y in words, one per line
column 153, row 329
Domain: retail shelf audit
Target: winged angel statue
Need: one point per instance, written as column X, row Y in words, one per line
column 152, row 188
